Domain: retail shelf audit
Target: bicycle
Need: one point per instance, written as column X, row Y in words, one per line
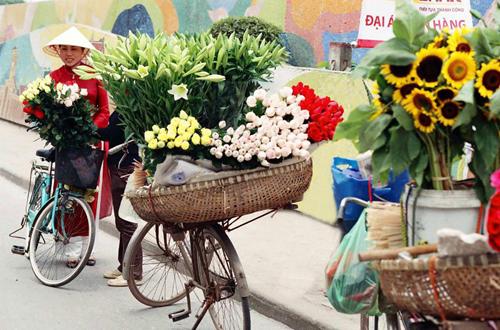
column 181, row 257
column 52, row 234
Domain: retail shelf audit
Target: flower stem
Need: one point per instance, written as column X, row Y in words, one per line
column 434, row 162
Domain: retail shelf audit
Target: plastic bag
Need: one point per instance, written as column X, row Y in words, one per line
column 348, row 182
column 353, row 286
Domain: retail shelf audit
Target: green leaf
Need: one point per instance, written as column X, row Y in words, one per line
column 372, row 131
column 398, row 145
column 409, row 22
column 414, row 145
column 393, row 51
column 465, row 116
column 487, row 141
column 350, row 128
column 403, row 117
column 417, row 168
column 466, row 93
column 495, row 104
column 379, row 142
column 381, row 163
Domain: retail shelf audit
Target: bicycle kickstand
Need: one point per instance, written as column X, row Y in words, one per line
column 183, row 313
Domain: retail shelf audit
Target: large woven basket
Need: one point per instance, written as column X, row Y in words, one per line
column 224, row 198
column 451, row 287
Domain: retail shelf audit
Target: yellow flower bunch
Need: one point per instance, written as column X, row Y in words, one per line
column 182, row 132
column 427, row 86
column 35, row 87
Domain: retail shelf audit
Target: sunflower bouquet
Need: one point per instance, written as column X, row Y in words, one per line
column 431, row 93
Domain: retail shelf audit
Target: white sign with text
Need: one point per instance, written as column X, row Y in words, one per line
column 377, row 17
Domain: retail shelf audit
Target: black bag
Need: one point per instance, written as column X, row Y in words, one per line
column 79, row 167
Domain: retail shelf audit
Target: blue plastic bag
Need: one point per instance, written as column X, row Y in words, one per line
column 348, row 182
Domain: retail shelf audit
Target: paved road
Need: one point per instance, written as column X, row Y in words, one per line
column 85, row 303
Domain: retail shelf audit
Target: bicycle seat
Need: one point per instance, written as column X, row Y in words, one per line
column 47, row 154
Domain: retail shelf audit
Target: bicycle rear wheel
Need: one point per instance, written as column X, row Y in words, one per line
column 53, row 243
column 226, row 282
column 165, row 266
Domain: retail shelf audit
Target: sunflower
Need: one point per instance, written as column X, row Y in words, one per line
column 397, row 75
column 375, row 90
column 428, row 65
column 457, row 42
column 401, row 93
column 488, row 78
column 419, row 100
column 444, row 93
column 439, row 41
column 380, row 108
column 448, row 112
column 459, row 68
column 424, row 121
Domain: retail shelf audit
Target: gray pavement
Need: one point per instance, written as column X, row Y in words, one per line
column 86, row 302
column 283, row 255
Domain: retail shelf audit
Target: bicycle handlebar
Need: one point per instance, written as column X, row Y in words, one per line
column 119, row 147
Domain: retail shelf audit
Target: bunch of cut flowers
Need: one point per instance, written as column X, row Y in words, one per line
column 273, row 127
column 433, row 91
column 59, row 113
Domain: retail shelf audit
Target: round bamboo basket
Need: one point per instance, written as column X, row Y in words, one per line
column 447, row 287
column 224, row 198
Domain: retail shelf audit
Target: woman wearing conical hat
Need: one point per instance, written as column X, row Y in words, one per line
column 71, row 47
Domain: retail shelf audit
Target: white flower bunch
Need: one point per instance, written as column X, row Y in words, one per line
column 35, row 87
column 68, row 94
column 278, row 133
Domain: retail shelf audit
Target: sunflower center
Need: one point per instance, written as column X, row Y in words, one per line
column 430, row 68
column 464, row 47
column 450, row 110
column 445, row 94
column 491, row 80
column 406, row 89
column 424, row 120
column 457, row 70
column 422, row 102
column 401, row 71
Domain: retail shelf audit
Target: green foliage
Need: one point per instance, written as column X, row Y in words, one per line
column 252, row 25
column 140, row 73
column 300, row 51
column 388, row 127
column 62, row 126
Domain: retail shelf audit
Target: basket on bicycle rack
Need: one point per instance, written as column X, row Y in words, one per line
column 454, row 287
column 224, row 198
column 79, row 167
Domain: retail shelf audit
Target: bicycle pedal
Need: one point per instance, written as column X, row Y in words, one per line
column 179, row 315
column 16, row 249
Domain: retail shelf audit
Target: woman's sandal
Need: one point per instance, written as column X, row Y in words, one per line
column 72, row 262
column 91, row 261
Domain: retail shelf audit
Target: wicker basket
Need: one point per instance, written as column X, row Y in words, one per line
column 451, row 288
column 224, row 198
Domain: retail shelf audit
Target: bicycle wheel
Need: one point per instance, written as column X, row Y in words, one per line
column 33, row 206
column 226, row 283
column 164, row 268
column 71, row 234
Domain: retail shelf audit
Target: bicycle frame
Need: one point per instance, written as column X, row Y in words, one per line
column 45, row 173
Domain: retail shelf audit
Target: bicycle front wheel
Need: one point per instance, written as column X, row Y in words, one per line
column 61, row 241
column 164, row 266
column 227, row 288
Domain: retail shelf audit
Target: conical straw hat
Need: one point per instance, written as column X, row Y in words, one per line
column 70, row 37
